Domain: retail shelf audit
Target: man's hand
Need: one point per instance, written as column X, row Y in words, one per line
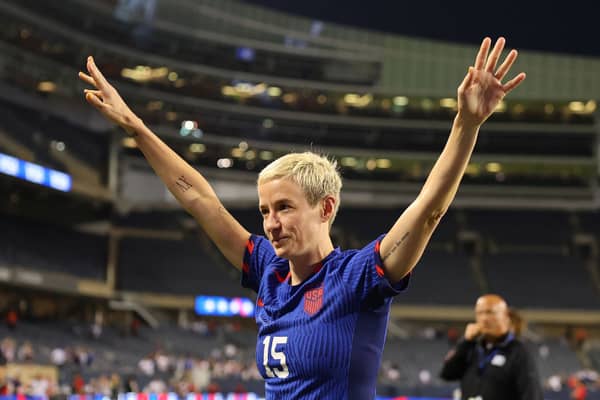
column 472, row 331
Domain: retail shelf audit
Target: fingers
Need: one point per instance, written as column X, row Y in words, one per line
column 513, row 83
column 506, row 65
column 86, row 78
column 492, row 61
column 472, row 331
column 483, row 53
column 101, row 82
column 467, row 81
column 94, row 100
column 96, row 93
column 495, row 55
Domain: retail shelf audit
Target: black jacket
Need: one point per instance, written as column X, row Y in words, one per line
column 504, row 371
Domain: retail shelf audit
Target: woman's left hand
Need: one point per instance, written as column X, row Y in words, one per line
column 482, row 89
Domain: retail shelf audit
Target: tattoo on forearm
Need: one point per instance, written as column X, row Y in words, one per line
column 182, row 184
column 396, row 245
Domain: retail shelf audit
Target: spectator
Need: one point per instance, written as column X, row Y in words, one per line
column 12, row 318
column 578, row 388
column 491, row 362
column 58, row 356
column 78, row 384
column 25, row 352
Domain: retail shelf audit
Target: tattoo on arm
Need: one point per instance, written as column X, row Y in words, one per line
column 182, row 184
column 395, row 247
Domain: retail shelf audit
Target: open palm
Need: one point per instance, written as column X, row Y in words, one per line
column 482, row 89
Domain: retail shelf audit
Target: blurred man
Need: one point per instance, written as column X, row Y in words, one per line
column 490, row 362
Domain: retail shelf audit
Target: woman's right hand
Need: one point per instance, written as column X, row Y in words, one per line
column 107, row 100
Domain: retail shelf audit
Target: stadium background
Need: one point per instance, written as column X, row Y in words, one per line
column 100, row 270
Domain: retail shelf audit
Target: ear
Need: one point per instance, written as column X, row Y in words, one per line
column 327, row 208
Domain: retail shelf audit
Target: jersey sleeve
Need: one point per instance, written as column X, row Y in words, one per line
column 258, row 254
column 365, row 274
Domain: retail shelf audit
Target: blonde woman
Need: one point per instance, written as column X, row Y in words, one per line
column 321, row 312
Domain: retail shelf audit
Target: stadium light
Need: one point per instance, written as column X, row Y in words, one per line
column 35, row 173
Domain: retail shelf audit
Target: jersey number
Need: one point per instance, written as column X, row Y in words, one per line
column 271, row 346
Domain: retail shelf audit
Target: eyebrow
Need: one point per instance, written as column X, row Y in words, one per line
column 277, row 202
column 283, row 200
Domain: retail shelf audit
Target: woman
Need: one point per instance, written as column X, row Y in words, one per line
column 321, row 312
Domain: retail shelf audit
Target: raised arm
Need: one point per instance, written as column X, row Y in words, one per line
column 478, row 95
column 187, row 185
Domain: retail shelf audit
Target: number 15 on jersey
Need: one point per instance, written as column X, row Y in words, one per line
column 270, row 352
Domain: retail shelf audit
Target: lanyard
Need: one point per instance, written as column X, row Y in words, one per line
column 483, row 360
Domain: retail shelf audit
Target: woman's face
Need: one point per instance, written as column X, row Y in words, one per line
column 291, row 224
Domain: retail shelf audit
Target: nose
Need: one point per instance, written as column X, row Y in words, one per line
column 271, row 223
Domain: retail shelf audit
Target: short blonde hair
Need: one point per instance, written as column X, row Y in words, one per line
column 316, row 175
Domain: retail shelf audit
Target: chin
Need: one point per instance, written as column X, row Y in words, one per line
column 280, row 252
column 492, row 335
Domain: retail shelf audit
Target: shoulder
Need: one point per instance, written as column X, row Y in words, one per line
column 339, row 258
column 354, row 259
column 277, row 265
column 254, row 241
column 515, row 344
column 521, row 349
column 518, row 343
column 366, row 251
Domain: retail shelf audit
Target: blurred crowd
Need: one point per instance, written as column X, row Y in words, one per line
column 81, row 367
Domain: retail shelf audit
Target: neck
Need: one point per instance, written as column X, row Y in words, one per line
column 302, row 266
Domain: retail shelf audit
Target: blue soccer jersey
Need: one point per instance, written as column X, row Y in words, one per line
column 321, row 339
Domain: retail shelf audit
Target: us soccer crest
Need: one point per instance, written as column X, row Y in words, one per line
column 313, row 300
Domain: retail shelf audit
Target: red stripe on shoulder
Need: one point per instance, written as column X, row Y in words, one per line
column 260, row 302
column 245, row 267
column 379, row 270
column 250, row 246
column 377, row 244
column 280, row 278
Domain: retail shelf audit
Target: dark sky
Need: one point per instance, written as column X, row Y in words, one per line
column 525, row 24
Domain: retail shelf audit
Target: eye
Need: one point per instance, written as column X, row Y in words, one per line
column 283, row 207
column 264, row 211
